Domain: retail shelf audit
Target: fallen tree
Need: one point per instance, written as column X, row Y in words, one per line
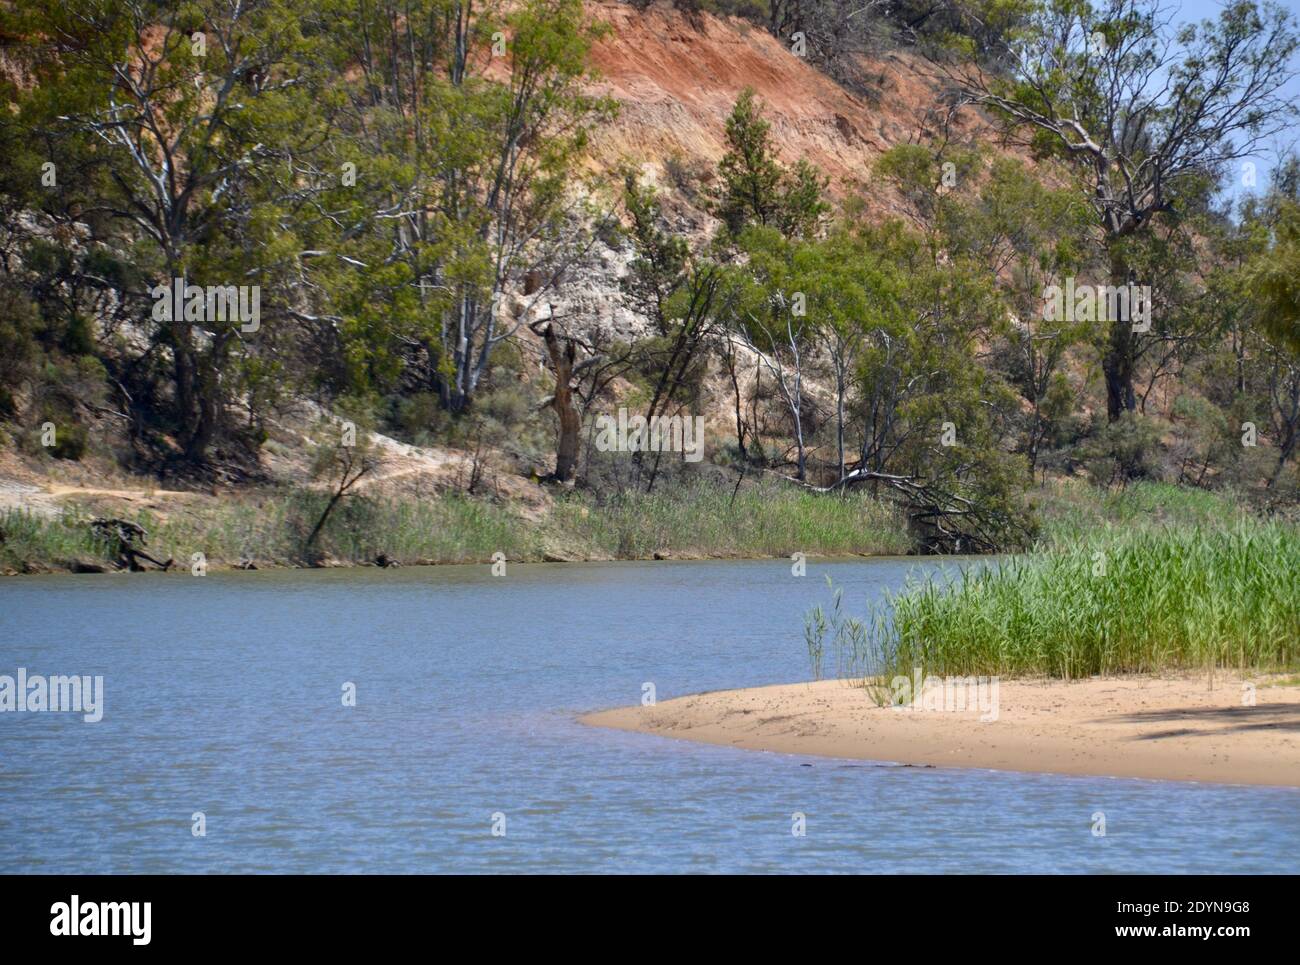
column 940, row 519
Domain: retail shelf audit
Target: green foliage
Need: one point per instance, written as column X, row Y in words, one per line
column 755, row 188
column 850, row 638
column 480, row 162
column 1123, row 450
column 29, row 541
column 1150, row 578
column 1156, row 600
column 1275, row 278
column 897, row 315
column 1074, row 511
column 970, row 28
column 911, row 352
column 660, row 267
column 364, row 165
column 18, row 348
column 1202, row 438
column 703, row 519
column 193, row 156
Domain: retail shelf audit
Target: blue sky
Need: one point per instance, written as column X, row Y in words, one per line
column 1197, row 10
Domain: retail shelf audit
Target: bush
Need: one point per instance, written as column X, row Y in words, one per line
column 421, row 418
column 1126, row 449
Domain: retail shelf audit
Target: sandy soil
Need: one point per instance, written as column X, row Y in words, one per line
column 1168, row 728
column 47, row 487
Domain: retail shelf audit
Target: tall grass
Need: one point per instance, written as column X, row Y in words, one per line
column 696, row 520
column 1071, row 510
column 1150, row 600
column 703, row 519
column 27, row 536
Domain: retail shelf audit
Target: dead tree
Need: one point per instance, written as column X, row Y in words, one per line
column 943, row 520
column 564, row 364
column 344, row 459
column 577, row 384
column 126, row 541
column 351, row 466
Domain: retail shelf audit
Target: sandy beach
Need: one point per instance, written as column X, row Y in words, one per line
column 1184, row 728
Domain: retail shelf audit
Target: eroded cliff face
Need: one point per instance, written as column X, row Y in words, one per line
column 676, row 78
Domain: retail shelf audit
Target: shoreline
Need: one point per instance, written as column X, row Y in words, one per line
column 696, row 520
column 1168, row 727
column 80, row 567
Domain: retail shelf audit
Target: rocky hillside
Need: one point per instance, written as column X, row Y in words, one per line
column 676, row 77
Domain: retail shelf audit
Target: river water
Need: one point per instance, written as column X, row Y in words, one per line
column 224, row 695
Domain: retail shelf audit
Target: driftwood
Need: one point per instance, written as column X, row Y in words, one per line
column 127, row 540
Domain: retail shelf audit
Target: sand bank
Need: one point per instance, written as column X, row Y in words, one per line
column 1187, row 728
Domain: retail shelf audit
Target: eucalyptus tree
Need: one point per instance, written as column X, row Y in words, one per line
column 934, row 418
column 1029, row 235
column 1267, row 290
column 1143, row 113
column 684, row 293
column 772, row 319
column 466, row 125
column 1275, row 276
column 191, row 121
column 815, row 305
column 771, row 215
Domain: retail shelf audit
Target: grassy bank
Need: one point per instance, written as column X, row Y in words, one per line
column 1071, row 510
column 695, row 521
column 704, row 520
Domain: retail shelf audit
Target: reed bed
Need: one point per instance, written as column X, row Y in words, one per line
column 1147, row 600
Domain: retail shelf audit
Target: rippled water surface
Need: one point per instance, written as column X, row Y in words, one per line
column 222, row 695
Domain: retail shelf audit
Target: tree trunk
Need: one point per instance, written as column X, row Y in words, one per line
column 566, row 449
column 840, row 389
column 185, row 378
column 730, row 358
column 194, row 409
column 209, row 411
column 1289, row 439
column 1287, row 448
column 796, row 408
column 1117, row 362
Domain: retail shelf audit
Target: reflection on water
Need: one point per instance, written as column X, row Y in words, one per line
column 223, row 695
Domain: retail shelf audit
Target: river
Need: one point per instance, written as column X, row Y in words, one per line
column 224, row 708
